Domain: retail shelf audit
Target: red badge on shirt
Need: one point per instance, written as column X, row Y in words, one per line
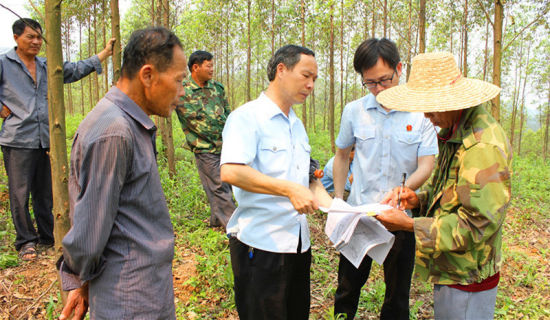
column 409, row 127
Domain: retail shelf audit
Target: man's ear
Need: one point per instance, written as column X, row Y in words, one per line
column 280, row 68
column 146, row 74
column 15, row 37
column 399, row 68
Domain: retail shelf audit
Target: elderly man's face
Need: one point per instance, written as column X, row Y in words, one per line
column 443, row 119
column 29, row 42
column 167, row 86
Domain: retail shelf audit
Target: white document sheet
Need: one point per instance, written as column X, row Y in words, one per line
column 355, row 234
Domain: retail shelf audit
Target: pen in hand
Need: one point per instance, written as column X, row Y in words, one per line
column 401, row 190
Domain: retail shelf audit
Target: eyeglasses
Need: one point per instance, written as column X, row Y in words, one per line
column 369, row 84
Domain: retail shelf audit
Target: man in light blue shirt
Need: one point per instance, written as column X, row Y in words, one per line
column 328, row 179
column 388, row 144
column 266, row 157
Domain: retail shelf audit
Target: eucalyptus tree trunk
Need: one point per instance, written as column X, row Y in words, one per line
column 303, row 29
column 522, row 114
column 385, row 18
column 166, row 130
column 68, row 57
column 545, row 146
column 95, row 76
column 497, row 55
column 115, row 31
column 248, row 50
column 373, row 30
column 331, row 86
column 81, row 82
column 104, row 30
column 341, row 57
column 465, row 41
column 56, row 113
column 90, row 81
column 422, row 27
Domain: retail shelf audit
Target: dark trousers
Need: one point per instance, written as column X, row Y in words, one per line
column 398, row 268
column 29, row 173
column 268, row 285
column 219, row 193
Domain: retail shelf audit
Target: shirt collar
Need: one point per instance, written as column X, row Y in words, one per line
column 15, row 57
column 272, row 109
column 195, row 86
column 130, row 107
column 371, row 103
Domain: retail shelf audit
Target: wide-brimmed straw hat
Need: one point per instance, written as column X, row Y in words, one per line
column 435, row 85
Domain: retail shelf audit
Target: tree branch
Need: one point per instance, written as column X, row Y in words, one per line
column 485, row 11
column 37, row 11
column 525, row 28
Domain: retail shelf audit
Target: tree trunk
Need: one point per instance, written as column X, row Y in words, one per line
column 68, row 57
column 373, row 31
column 248, row 50
column 95, row 77
column 115, row 31
column 545, row 147
column 91, row 102
column 81, row 82
column 465, row 41
column 522, row 115
column 331, row 86
column 422, row 27
column 497, row 55
column 486, row 58
column 303, row 20
column 341, row 57
column 166, row 123
column 409, row 39
column 385, row 18
column 272, row 27
column 104, row 29
column 56, row 113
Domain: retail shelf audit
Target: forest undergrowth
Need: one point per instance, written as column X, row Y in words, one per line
column 202, row 269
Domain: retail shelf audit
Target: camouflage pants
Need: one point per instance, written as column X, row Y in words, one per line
column 219, row 193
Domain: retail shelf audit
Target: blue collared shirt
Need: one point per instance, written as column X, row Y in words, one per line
column 387, row 144
column 260, row 135
column 328, row 179
column 27, row 125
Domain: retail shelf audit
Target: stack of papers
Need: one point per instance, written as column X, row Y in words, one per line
column 355, row 233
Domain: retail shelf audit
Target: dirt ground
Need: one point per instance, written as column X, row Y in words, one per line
column 30, row 290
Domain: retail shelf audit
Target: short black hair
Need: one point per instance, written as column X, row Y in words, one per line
column 198, row 57
column 153, row 45
column 19, row 25
column 288, row 55
column 367, row 54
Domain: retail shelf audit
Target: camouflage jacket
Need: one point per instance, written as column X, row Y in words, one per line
column 202, row 113
column 459, row 233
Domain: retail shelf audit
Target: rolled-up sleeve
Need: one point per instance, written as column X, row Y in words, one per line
column 101, row 174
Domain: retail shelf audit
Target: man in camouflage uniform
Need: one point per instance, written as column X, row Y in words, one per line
column 202, row 112
column 459, row 215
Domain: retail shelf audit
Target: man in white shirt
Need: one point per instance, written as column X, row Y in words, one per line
column 266, row 157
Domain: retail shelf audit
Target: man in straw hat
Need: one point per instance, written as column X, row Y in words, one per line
column 459, row 215
column 388, row 144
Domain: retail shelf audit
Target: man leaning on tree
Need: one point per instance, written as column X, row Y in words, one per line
column 25, row 136
column 202, row 112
